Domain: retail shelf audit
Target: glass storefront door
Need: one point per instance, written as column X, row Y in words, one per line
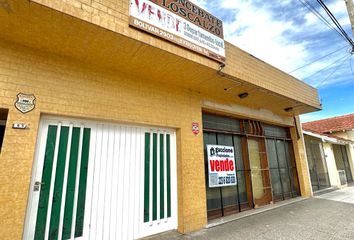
column 342, row 162
column 317, row 164
column 282, row 169
column 223, row 201
column 261, row 188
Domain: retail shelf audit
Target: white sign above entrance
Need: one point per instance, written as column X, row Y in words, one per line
column 221, row 166
column 172, row 22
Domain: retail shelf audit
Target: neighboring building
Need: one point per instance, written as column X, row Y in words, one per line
column 110, row 132
column 341, row 126
column 329, row 146
column 328, row 160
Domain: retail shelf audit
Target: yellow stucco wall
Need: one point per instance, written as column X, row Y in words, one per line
column 66, row 88
column 301, row 159
column 113, row 15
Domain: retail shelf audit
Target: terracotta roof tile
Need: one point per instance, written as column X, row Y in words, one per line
column 335, row 124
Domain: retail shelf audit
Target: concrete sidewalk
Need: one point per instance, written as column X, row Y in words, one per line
column 343, row 195
column 314, row 218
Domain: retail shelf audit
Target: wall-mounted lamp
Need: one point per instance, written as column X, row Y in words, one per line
column 221, row 66
column 243, row 95
column 289, row 109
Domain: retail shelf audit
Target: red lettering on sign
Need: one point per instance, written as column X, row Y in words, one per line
column 232, row 167
column 217, row 167
column 212, row 165
column 221, row 165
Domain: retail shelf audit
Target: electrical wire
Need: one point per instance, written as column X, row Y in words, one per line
column 335, row 21
column 320, row 58
column 330, row 65
column 335, row 70
column 320, row 17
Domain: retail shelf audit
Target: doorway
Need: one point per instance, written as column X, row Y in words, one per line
column 223, row 201
column 342, row 161
column 261, row 188
column 317, row 164
column 282, row 169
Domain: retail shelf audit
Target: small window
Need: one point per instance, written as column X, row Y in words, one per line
column 274, row 131
column 3, row 118
column 216, row 122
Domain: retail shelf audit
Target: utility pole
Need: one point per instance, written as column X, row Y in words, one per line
column 350, row 8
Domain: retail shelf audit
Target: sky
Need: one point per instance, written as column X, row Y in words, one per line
column 288, row 36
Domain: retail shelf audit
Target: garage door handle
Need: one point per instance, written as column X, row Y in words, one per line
column 36, row 186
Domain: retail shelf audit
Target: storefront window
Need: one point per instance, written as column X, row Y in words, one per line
column 274, row 131
column 282, row 169
column 342, row 162
column 214, row 205
column 223, row 201
column 317, row 164
column 220, row 123
column 265, row 167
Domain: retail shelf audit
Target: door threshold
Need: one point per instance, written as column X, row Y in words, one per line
column 247, row 213
column 326, row 190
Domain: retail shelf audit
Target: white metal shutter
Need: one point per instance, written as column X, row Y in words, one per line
column 117, row 210
column 116, row 193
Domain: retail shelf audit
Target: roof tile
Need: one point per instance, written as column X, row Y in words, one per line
column 335, row 124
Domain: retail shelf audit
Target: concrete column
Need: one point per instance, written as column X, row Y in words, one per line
column 301, row 159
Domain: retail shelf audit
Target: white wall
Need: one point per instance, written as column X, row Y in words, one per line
column 350, row 135
column 350, row 147
column 331, row 165
column 350, row 151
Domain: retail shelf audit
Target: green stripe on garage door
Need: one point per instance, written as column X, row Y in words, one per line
column 82, row 183
column 61, row 176
column 168, row 144
column 154, row 177
column 157, row 163
column 70, row 190
column 46, row 179
column 162, row 177
column 147, row 177
column 58, row 184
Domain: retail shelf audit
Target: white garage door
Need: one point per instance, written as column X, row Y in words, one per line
column 101, row 181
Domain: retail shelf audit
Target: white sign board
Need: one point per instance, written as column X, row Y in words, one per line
column 221, row 165
column 159, row 21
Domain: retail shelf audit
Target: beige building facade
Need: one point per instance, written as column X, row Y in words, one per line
column 336, row 133
column 105, row 126
column 330, row 160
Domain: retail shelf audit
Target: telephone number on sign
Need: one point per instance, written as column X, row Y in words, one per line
column 227, row 180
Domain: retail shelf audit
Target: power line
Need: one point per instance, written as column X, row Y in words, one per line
column 310, row 63
column 336, row 61
column 313, row 10
column 335, row 21
column 335, row 70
